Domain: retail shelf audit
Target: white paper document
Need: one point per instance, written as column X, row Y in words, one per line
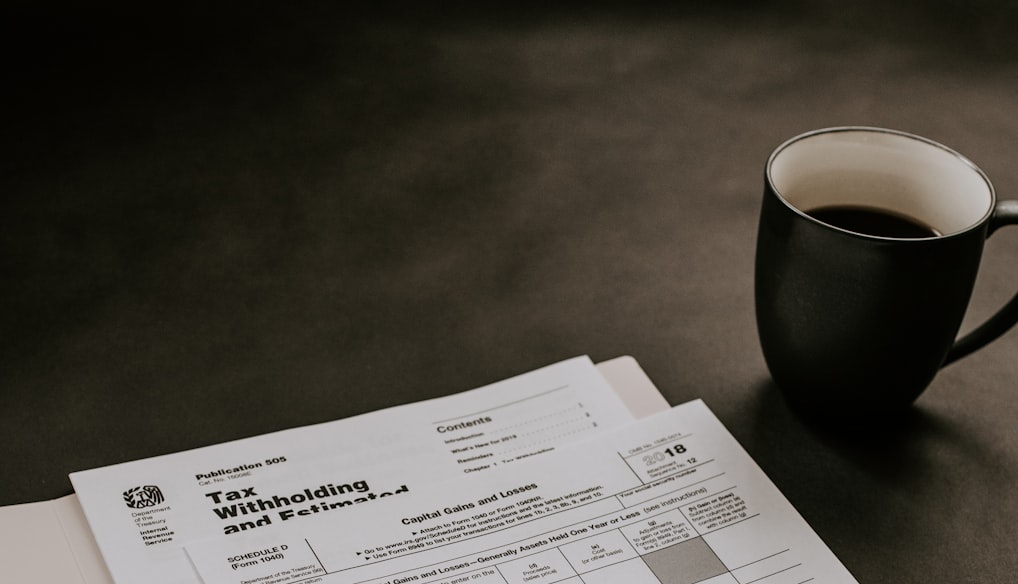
column 142, row 513
column 672, row 499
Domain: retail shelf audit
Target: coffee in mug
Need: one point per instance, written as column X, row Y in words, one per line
column 873, row 222
column 868, row 246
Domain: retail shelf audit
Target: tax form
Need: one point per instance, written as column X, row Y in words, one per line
column 671, row 499
column 142, row 512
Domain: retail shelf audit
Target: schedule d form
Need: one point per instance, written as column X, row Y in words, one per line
column 671, row 499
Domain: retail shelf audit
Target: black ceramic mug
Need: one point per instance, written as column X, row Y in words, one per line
column 867, row 252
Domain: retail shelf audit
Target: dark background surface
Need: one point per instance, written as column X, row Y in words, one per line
column 221, row 220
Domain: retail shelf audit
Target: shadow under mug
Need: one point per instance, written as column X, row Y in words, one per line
column 855, row 320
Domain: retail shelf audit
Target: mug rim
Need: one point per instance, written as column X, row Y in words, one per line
column 879, row 130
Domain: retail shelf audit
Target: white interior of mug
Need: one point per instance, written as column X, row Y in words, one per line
column 882, row 169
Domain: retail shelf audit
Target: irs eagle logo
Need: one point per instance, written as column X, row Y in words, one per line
column 141, row 497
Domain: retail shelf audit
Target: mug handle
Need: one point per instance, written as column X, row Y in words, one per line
column 1004, row 213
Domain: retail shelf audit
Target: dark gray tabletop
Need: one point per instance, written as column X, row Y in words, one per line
column 219, row 221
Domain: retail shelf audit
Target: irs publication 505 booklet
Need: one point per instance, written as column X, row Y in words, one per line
column 142, row 513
